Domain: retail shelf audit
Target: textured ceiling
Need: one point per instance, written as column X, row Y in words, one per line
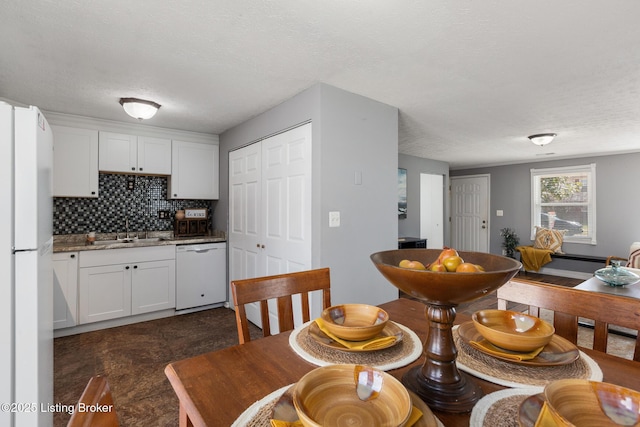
column 471, row 78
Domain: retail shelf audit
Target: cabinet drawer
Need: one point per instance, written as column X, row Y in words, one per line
column 126, row 255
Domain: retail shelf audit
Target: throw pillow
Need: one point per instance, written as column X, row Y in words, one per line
column 549, row 239
column 634, row 256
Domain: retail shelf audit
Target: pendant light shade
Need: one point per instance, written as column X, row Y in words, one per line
column 139, row 108
column 542, row 138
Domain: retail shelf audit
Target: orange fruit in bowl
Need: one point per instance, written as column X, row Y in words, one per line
column 446, row 253
column 452, row 262
column 467, row 267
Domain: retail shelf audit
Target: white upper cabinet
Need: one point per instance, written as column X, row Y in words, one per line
column 75, row 160
column 194, row 171
column 118, row 152
column 134, row 154
column 154, row 155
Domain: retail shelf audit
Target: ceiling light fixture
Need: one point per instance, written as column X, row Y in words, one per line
column 139, row 108
column 542, row 138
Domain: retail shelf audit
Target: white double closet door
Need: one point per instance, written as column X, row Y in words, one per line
column 270, row 211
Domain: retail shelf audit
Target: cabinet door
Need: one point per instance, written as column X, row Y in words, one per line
column 154, row 155
column 75, row 162
column 104, row 293
column 65, row 289
column 118, row 152
column 194, row 171
column 153, row 286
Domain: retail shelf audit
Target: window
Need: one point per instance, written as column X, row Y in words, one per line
column 565, row 199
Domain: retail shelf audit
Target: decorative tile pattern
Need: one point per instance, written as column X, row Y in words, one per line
column 117, row 202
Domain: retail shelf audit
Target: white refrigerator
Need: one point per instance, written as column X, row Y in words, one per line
column 26, row 281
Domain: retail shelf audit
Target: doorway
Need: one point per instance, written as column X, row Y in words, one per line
column 470, row 213
column 432, row 210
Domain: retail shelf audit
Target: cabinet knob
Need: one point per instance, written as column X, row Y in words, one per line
column 201, row 295
column 133, row 169
column 257, row 245
column 93, row 192
column 72, row 256
column 262, row 246
column 135, row 266
column 140, row 168
column 127, row 267
column 175, row 195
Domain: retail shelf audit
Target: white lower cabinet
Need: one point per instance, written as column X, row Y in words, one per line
column 153, row 286
column 123, row 282
column 105, row 292
column 65, row 289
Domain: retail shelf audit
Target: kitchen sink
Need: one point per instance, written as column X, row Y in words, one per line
column 112, row 242
column 130, row 240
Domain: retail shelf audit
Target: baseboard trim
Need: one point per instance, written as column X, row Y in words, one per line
column 113, row 323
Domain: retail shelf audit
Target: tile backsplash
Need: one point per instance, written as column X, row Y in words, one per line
column 138, row 198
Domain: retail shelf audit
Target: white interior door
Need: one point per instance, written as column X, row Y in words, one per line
column 470, row 213
column 432, row 209
column 286, row 195
column 270, row 209
column 244, row 215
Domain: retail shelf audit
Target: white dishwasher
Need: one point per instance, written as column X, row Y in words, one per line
column 201, row 274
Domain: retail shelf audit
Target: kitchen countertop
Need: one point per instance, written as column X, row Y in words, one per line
column 77, row 242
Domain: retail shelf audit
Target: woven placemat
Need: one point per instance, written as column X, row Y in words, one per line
column 397, row 356
column 259, row 414
column 514, row 375
column 500, row 409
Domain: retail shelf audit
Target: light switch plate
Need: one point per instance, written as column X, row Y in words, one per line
column 334, row 219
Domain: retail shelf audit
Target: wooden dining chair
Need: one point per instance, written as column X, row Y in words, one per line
column 280, row 287
column 633, row 260
column 570, row 304
column 97, row 392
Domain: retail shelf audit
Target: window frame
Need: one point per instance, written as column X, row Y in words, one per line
column 536, row 202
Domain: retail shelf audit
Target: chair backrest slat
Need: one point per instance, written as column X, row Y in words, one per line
column 569, row 304
column 281, row 288
column 97, row 392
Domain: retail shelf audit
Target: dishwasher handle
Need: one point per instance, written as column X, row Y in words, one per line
column 199, row 248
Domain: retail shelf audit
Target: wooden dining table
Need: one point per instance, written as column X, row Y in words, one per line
column 596, row 285
column 215, row 388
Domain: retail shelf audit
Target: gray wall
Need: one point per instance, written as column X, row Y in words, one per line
column 350, row 134
column 410, row 226
column 617, row 205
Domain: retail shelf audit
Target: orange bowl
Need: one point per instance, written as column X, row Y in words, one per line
column 328, row 396
column 513, row 330
column 592, row 404
column 355, row 322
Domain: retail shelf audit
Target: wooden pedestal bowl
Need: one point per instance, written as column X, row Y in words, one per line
column 438, row 381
